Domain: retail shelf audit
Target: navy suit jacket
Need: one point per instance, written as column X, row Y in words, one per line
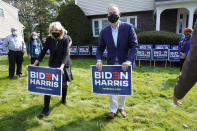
column 126, row 44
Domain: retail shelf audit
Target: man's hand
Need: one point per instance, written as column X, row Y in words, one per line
column 29, row 57
column 176, row 101
column 125, row 65
column 99, row 65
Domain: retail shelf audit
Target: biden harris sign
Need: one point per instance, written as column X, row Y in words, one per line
column 42, row 80
column 112, row 80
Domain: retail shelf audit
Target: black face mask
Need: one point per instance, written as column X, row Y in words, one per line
column 55, row 34
column 113, row 18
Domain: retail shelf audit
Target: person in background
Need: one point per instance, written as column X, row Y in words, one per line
column 15, row 45
column 34, row 47
column 188, row 76
column 68, row 60
column 121, row 41
column 66, row 36
column 58, row 47
column 184, row 45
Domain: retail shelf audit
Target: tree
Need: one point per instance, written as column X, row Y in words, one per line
column 77, row 24
column 36, row 15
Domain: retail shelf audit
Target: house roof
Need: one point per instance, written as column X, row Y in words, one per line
column 1, row 1
column 99, row 7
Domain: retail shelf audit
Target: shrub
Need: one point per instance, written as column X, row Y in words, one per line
column 137, row 31
column 77, row 24
column 158, row 37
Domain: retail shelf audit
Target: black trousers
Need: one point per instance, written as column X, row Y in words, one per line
column 15, row 57
column 181, row 63
column 47, row 98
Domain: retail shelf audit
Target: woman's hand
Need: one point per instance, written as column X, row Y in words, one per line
column 62, row 70
column 35, row 63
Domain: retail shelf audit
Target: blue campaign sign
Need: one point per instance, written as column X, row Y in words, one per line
column 84, row 50
column 160, row 54
column 162, row 46
column 174, row 55
column 73, row 50
column 143, row 54
column 2, row 52
column 145, row 46
column 94, row 49
column 112, row 80
column 42, row 80
column 175, row 47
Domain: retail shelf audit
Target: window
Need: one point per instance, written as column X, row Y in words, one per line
column 133, row 21
column 1, row 13
column 123, row 19
column 99, row 24
column 105, row 23
column 96, row 26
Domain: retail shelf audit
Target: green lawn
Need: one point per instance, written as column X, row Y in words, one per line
column 150, row 107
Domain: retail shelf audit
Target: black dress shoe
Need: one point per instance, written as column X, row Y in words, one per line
column 111, row 115
column 44, row 113
column 11, row 77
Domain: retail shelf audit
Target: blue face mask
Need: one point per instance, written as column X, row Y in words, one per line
column 188, row 36
column 14, row 33
column 34, row 37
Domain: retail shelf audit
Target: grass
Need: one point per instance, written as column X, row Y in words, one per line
column 150, row 107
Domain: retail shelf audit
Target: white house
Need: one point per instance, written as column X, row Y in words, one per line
column 186, row 12
column 167, row 15
column 9, row 18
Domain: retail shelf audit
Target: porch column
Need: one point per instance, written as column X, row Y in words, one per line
column 191, row 17
column 159, row 11
column 76, row 2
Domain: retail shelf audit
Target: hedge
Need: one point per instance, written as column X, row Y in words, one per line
column 158, row 37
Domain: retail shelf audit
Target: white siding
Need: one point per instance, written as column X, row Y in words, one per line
column 98, row 7
column 9, row 20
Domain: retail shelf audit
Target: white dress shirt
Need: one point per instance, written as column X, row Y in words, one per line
column 115, row 34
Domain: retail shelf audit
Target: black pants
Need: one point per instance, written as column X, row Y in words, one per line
column 33, row 60
column 15, row 57
column 47, row 98
column 181, row 63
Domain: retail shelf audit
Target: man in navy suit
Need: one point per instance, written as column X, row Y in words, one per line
column 120, row 40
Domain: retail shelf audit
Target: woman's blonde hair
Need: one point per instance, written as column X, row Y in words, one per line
column 57, row 25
